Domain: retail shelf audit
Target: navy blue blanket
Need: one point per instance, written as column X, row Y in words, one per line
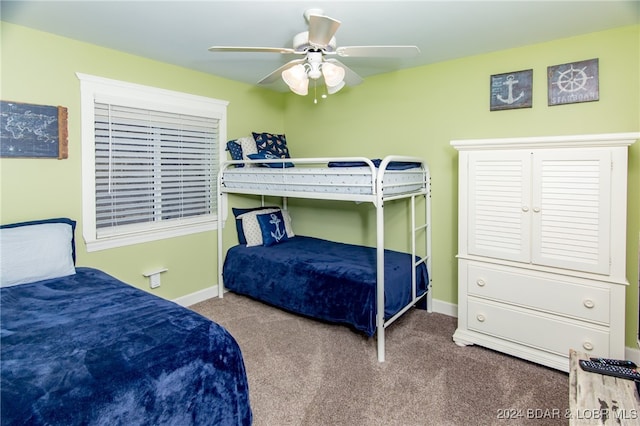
column 393, row 165
column 322, row 279
column 88, row 349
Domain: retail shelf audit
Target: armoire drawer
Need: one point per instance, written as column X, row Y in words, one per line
column 536, row 330
column 551, row 295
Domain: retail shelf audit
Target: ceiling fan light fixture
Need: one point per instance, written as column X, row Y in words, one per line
column 315, row 44
column 335, row 89
column 297, row 80
column 333, row 75
column 302, row 88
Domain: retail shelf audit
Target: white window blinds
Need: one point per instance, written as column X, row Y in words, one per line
column 152, row 167
column 150, row 159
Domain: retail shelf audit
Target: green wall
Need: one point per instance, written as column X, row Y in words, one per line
column 418, row 111
column 411, row 112
column 40, row 68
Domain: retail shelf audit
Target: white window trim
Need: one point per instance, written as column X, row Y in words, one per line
column 92, row 88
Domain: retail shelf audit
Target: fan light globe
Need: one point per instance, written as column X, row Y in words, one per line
column 301, row 89
column 335, row 89
column 333, row 74
column 297, row 80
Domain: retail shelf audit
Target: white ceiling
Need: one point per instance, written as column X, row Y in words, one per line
column 179, row 32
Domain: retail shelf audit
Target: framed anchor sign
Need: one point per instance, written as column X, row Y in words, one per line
column 511, row 90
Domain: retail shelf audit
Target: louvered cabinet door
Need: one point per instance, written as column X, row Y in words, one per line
column 499, row 197
column 570, row 209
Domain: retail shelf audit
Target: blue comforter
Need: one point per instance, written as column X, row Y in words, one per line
column 88, row 349
column 322, row 279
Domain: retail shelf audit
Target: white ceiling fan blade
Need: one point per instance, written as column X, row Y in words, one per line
column 284, row 50
column 321, row 30
column 350, row 77
column 378, row 51
column 277, row 74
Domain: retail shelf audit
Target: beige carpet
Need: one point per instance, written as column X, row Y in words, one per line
column 305, row 372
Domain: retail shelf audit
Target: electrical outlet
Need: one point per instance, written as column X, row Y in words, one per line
column 154, row 277
column 154, row 280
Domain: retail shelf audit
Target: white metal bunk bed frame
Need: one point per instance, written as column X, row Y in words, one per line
column 376, row 197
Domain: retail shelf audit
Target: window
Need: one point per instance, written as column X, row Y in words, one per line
column 150, row 159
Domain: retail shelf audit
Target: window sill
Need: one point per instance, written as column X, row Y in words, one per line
column 115, row 241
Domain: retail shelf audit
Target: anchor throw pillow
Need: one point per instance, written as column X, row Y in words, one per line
column 251, row 227
column 272, row 228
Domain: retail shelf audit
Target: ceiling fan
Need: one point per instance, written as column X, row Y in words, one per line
column 318, row 48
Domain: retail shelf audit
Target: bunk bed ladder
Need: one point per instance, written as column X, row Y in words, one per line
column 426, row 259
column 423, row 229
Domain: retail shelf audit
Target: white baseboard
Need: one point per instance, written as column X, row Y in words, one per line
column 446, row 308
column 632, row 354
column 439, row 306
column 198, row 296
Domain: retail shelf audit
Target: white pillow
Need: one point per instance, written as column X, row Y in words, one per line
column 251, row 227
column 249, row 146
column 35, row 252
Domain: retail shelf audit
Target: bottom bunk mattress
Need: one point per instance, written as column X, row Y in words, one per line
column 323, row 279
column 87, row 349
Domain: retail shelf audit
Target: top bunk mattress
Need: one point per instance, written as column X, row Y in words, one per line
column 342, row 178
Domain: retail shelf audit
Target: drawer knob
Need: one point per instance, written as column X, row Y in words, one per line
column 525, row 209
column 587, row 346
column 480, row 318
column 536, row 209
column 480, row 282
column 588, row 303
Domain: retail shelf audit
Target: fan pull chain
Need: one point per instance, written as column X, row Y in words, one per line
column 315, row 92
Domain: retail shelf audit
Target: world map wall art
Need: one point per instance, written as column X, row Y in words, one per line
column 33, row 131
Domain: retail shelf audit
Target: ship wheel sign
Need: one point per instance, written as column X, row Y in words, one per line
column 511, row 90
column 573, row 82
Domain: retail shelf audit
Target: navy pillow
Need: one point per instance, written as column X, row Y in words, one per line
column 235, row 149
column 272, row 228
column 55, row 220
column 237, row 212
column 275, row 144
column 266, row 155
column 393, row 165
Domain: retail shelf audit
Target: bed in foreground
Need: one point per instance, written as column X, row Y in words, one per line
column 86, row 348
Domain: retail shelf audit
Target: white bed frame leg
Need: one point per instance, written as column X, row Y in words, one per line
column 380, row 337
column 380, row 276
column 221, row 206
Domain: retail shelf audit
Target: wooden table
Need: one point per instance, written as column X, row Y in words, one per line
column 596, row 399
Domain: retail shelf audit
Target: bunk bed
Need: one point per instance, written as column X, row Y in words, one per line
column 80, row 347
column 302, row 272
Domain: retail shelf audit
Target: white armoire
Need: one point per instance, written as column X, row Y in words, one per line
column 542, row 245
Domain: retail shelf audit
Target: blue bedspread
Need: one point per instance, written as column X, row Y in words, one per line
column 88, row 349
column 322, row 279
column 393, row 165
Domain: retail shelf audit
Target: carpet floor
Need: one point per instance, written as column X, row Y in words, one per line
column 306, row 372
